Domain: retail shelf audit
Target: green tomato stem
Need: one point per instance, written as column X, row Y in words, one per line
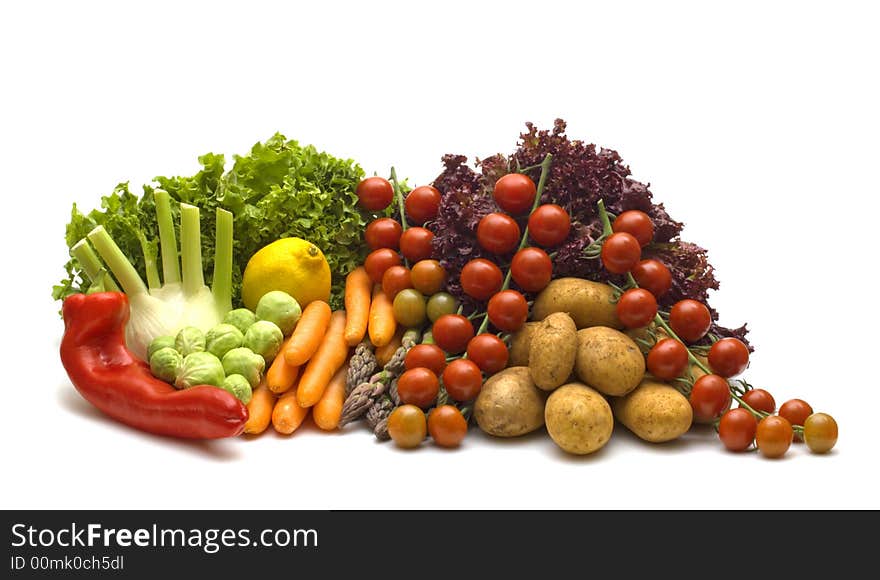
column 401, row 206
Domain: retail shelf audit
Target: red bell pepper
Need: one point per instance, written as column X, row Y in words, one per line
column 121, row 385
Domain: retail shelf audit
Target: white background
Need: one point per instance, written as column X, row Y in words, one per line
column 756, row 124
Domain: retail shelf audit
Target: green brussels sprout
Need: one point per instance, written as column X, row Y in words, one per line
column 223, row 338
column 189, row 340
column 281, row 308
column 264, row 338
column 238, row 386
column 165, row 363
column 245, row 362
column 159, row 343
column 240, row 318
column 200, row 368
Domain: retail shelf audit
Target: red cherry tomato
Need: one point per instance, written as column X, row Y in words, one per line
column 690, row 320
column 498, row 233
column 710, row 397
column 395, row 279
column 620, row 253
column 796, row 411
column 418, row 386
column 452, row 332
column 422, row 203
column 508, row 310
column 760, row 400
column 378, row 261
column 549, row 225
column 737, row 429
column 774, row 436
column 375, row 193
column 447, row 426
column 488, row 352
column 637, row 223
column 415, row 244
column 531, row 269
column 462, row 379
column 480, row 279
column 728, row 357
column 515, row 193
column 667, row 359
column 383, row 233
column 428, row 277
column 429, row 356
column 636, row 308
column 653, row 276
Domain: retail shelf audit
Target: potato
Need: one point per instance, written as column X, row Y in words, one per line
column 510, row 404
column 608, row 360
column 519, row 345
column 654, row 411
column 552, row 351
column 578, row 419
column 588, row 303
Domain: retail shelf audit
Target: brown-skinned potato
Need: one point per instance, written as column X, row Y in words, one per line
column 588, row 303
column 654, row 411
column 578, row 419
column 609, row 361
column 509, row 404
column 552, row 351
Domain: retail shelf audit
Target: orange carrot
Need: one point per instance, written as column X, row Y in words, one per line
column 281, row 375
column 384, row 353
column 325, row 362
column 259, row 410
column 308, row 333
column 357, row 305
column 287, row 415
column 382, row 323
column 328, row 410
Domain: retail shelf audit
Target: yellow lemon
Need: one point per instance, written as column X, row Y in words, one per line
column 293, row 265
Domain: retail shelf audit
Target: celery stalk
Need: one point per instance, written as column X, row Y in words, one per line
column 190, row 249
column 221, row 285
column 91, row 264
column 118, row 263
column 167, row 237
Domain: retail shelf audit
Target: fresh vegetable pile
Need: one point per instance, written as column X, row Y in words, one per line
column 544, row 289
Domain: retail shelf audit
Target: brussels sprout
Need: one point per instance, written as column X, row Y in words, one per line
column 238, row 386
column 264, row 338
column 223, row 338
column 165, row 363
column 240, row 318
column 200, row 368
column 158, row 343
column 189, row 340
column 281, row 308
column 245, row 362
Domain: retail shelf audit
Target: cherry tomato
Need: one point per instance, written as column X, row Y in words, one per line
column 415, row 244
column 729, row 357
column 462, row 379
column 383, row 233
column 515, row 193
column 480, row 279
column 636, row 308
column 418, row 386
column 796, row 411
column 759, row 400
column 375, row 193
column 549, row 225
column 378, row 261
column 498, row 233
column 637, row 223
column 737, row 429
column 820, row 432
column 620, row 253
column 531, row 269
column 653, row 276
column 710, row 397
column 407, row 426
column 667, row 359
column 488, row 352
column 690, row 320
column 422, row 203
column 447, row 426
column 428, row 277
column 429, row 356
column 452, row 332
column 441, row 303
column 774, row 436
column 508, row 310
column 395, row 279
column 409, row 308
